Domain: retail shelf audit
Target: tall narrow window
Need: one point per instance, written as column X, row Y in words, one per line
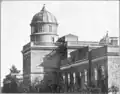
column 95, row 71
column 80, row 74
column 63, row 78
column 36, row 30
column 50, row 28
column 32, row 29
column 68, row 78
column 74, row 77
column 85, row 76
column 103, row 71
column 40, row 28
column 80, row 79
column 53, row 39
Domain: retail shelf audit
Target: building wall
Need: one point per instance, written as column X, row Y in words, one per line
column 36, row 60
column 43, row 37
column 46, row 28
column 26, row 67
column 99, row 59
column 114, row 71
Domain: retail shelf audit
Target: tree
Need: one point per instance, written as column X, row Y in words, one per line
column 10, row 81
column 14, row 70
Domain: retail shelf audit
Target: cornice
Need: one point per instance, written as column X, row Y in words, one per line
column 44, row 33
column 74, row 64
column 39, row 48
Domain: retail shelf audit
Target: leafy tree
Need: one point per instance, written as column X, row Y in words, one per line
column 14, row 69
column 10, row 81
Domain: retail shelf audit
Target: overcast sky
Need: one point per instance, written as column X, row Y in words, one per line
column 87, row 19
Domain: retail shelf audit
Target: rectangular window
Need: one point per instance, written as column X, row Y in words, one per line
column 63, row 78
column 68, row 78
column 95, row 70
column 50, row 28
column 85, row 71
column 74, row 77
column 40, row 28
column 53, row 39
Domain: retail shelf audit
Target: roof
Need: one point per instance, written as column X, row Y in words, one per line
column 69, row 35
column 44, row 17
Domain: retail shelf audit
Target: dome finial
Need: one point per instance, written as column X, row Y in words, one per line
column 43, row 7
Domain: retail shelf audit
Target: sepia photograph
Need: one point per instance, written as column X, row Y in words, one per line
column 60, row 47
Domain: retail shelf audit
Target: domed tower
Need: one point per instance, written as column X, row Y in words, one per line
column 44, row 27
column 43, row 35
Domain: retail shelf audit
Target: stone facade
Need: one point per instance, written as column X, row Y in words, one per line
column 102, row 59
column 41, row 61
column 42, row 42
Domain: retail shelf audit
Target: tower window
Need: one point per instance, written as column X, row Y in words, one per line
column 36, row 30
column 40, row 28
column 53, row 39
column 50, row 28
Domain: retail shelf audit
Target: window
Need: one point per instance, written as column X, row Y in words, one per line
column 40, row 28
column 69, row 54
column 95, row 71
column 50, row 28
column 68, row 78
column 36, row 30
column 32, row 29
column 85, row 76
column 79, row 80
column 74, row 77
column 63, row 78
column 103, row 71
column 53, row 39
column 80, row 74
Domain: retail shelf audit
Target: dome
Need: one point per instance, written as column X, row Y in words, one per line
column 44, row 17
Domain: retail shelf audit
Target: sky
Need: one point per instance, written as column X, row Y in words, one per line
column 89, row 20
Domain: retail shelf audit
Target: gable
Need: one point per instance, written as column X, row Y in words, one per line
column 71, row 37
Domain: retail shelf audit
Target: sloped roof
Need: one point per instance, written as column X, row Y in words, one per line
column 70, row 35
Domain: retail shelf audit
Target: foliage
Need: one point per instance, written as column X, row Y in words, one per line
column 14, row 69
column 113, row 88
column 10, row 83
